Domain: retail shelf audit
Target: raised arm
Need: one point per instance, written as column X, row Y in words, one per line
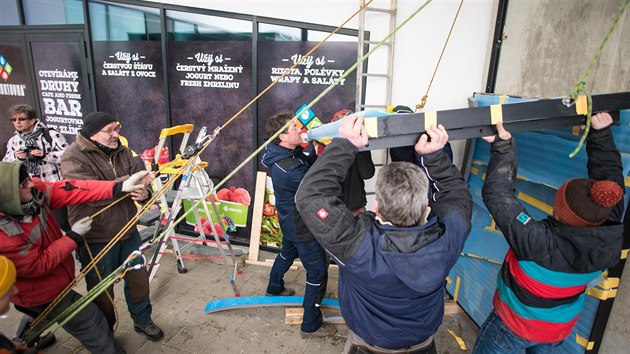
column 318, row 201
column 450, row 191
column 604, row 160
column 524, row 234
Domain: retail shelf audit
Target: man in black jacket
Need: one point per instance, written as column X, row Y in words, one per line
column 392, row 264
column 287, row 165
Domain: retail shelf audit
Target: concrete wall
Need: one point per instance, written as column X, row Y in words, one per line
column 547, row 48
column 550, row 43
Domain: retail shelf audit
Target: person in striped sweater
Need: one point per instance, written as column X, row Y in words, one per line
column 541, row 285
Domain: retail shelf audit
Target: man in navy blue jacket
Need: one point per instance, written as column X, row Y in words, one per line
column 392, row 264
column 287, row 165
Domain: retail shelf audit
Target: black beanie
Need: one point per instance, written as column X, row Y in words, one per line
column 94, row 122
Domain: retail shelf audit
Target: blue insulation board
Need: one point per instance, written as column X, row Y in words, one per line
column 543, row 165
column 261, row 301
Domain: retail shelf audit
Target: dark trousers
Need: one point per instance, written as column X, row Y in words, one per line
column 136, row 281
column 495, row 337
column 315, row 262
column 88, row 325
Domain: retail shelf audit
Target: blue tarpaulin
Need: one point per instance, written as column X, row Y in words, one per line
column 543, row 165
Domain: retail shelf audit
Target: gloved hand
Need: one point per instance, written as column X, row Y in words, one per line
column 79, row 229
column 132, row 183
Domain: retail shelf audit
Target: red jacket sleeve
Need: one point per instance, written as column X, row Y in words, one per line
column 69, row 192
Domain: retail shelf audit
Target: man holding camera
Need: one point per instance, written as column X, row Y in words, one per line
column 38, row 146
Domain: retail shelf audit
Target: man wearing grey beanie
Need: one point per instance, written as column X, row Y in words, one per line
column 98, row 154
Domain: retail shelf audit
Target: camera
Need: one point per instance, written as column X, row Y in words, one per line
column 29, row 145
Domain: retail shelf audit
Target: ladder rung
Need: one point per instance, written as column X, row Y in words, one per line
column 376, row 9
column 376, row 42
column 375, row 75
column 374, row 106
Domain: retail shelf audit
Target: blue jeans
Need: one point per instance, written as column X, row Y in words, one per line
column 496, row 338
column 136, row 281
column 315, row 262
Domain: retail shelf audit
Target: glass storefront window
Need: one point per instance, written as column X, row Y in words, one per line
column 271, row 32
column 124, row 22
column 185, row 26
column 53, row 12
column 9, row 13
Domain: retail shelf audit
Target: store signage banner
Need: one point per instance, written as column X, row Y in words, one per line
column 129, row 84
column 306, row 81
column 60, row 85
column 14, row 88
column 210, row 81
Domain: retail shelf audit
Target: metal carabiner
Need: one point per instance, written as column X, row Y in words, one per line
column 130, row 258
column 568, row 101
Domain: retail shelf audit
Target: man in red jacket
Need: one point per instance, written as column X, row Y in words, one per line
column 31, row 238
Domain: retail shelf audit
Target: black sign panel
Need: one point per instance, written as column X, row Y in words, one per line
column 13, row 87
column 210, row 82
column 59, row 79
column 130, row 85
column 306, row 81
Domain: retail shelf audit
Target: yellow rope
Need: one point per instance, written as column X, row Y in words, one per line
column 271, row 138
column 580, row 86
column 426, row 95
column 169, row 183
column 288, row 70
column 100, row 279
column 101, row 254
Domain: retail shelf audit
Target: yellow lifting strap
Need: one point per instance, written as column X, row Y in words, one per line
column 458, row 281
column 430, row 119
column 371, row 127
column 584, row 342
column 460, row 341
column 604, row 290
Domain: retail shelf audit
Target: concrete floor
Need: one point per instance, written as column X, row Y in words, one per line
column 178, row 308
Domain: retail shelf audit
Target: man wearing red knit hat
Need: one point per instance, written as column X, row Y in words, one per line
column 541, row 285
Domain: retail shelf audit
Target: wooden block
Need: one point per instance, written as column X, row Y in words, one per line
column 295, row 315
column 451, row 307
column 266, row 264
column 257, row 214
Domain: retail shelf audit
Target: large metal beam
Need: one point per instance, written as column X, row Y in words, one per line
column 404, row 129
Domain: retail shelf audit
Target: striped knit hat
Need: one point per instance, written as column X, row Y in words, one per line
column 586, row 202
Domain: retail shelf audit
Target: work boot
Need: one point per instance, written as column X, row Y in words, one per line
column 285, row 292
column 323, row 331
column 150, row 329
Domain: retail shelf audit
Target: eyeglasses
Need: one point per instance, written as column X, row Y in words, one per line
column 21, row 119
column 112, row 131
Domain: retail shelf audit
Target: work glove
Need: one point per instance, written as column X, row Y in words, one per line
column 132, row 183
column 79, row 229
